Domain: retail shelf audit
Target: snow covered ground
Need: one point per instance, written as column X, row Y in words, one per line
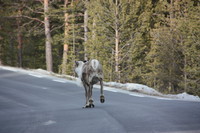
column 134, row 89
column 150, row 92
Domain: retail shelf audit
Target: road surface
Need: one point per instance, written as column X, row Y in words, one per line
column 39, row 104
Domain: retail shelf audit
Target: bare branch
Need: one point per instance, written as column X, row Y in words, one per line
column 58, row 27
column 37, row 28
column 27, row 23
column 30, row 9
column 36, row 19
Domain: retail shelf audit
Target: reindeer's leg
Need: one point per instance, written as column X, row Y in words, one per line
column 102, row 98
column 90, row 96
column 86, row 95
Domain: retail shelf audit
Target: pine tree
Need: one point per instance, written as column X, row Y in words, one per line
column 188, row 27
column 165, row 68
column 141, row 41
column 110, row 26
column 73, row 35
column 169, row 56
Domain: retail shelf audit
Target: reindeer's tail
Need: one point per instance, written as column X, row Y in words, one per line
column 95, row 64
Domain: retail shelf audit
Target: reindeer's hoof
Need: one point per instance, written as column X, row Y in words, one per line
column 86, row 106
column 91, row 101
column 91, row 105
column 102, row 99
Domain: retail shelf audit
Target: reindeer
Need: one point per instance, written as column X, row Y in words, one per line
column 90, row 73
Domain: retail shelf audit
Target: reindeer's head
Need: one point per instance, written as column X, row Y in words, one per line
column 78, row 68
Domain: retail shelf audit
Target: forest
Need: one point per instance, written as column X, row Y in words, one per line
column 151, row 42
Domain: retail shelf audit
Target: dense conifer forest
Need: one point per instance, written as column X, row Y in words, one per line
column 151, row 42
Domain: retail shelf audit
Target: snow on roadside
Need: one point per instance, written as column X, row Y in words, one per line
column 184, row 96
column 150, row 91
column 134, row 87
column 53, row 74
column 129, row 87
column 41, row 71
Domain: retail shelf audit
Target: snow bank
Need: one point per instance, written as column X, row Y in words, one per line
column 134, row 87
column 41, row 71
column 184, row 96
column 150, row 91
column 45, row 72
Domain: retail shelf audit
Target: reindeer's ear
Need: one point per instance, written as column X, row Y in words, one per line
column 76, row 63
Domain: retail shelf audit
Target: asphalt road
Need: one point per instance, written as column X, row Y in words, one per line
column 37, row 104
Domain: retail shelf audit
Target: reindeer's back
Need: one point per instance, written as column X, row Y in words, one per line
column 93, row 69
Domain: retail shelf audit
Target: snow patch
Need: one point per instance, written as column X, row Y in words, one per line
column 142, row 90
column 42, row 71
column 11, row 68
column 35, row 75
column 44, row 88
column 185, row 96
column 134, row 87
column 137, row 95
column 60, row 81
column 50, row 122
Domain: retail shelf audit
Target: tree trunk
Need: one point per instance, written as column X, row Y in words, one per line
column 65, row 46
column 48, row 48
column 185, row 73
column 117, row 43
column 85, row 30
column 93, row 54
column 185, row 65
column 19, row 38
column 172, row 15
